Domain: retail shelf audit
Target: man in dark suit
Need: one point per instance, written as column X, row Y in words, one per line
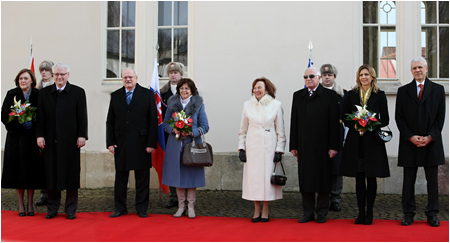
column 315, row 141
column 175, row 72
column 420, row 115
column 62, row 130
column 329, row 73
column 131, row 135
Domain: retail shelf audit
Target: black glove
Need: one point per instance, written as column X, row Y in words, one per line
column 277, row 157
column 242, row 155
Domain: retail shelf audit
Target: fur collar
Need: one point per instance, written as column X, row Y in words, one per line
column 265, row 100
column 338, row 90
column 165, row 88
column 174, row 104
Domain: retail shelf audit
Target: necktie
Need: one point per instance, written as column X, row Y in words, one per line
column 311, row 92
column 128, row 94
column 421, row 91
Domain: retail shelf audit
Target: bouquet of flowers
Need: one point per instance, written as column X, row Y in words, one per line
column 24, row 112
column 364, row 119
column 180, row 122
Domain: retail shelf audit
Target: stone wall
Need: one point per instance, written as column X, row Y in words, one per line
column 97, row 171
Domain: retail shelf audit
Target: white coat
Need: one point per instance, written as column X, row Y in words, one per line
column 261, row 135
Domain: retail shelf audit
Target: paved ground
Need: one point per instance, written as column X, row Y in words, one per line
column 230, row 204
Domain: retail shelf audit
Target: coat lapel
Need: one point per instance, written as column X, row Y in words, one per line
column 138, row 91
column 427, row 90
column 412, row 91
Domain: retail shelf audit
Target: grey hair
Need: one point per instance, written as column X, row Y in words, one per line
column 314, row 68
column 61, row 65
column 132, row 69
column 419, row 59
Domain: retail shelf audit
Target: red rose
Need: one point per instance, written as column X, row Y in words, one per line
column 189, row 125
column 179, row 124
column 372, row 118
column 174, row 115
column 363, row 122
column 190, row 120
column 21, row 113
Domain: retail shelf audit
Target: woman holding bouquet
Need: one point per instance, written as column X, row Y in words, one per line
column 185, row 178
column 363, row 156
column 261, row 144
column 22, row 169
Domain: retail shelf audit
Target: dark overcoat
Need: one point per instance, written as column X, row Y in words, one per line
column 22, row 166
column 314, row 131
column 61, row 120
column 375, row 156
column 132, row 128
column 337, row 159
column 423, row 118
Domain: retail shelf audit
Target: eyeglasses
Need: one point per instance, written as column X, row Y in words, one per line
column 311, row 76
column 59, row 74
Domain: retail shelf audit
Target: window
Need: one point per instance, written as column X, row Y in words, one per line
column 120, row 32
column 172, row 34
column 434, row 37
column 379, row 37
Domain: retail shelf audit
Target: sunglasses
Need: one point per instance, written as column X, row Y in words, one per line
column 311, row 76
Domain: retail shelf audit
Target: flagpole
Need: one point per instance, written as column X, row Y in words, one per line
column 159, row 185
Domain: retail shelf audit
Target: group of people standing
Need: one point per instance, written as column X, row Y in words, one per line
column 326, row 145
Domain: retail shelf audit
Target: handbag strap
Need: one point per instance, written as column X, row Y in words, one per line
column 282, row 167
column 203, row 138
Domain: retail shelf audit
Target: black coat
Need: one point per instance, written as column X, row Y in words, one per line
column 314, row 131
column 61, row 120
column 424, row 117
column 166, row 93
column 132, row 128
column 374, row 152
column 22, row 166
column 337, row 159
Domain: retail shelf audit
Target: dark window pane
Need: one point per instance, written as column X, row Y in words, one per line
column 128, row 40
column 180, row 46
column 370, row 47
column 164, row 51
column 430, row 50
column 430, row 12
column 443, row 51
column 180, row 13
column 112, row 54
column 128, row 14
column 113, row 14
column 370, row 12
column 443, row 13
column 164, row 13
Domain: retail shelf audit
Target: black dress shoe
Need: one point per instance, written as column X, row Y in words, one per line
column 257, row 219
column 407, row 220
column 433, row 221
column 118, row 214
column 306, row 219
column 321, row 219
column 335, row 207
column 22, row 214
column 172, row 203
column 142, row 214
column 265, row 220
column 41, row 202
column 71, row 216
column 30, row 214
column 50, row 216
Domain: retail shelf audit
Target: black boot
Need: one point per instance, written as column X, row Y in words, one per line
column 371, row 195
column 361, row 198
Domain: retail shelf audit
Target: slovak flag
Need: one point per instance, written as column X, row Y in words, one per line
column 160, row 151
column 32, row 57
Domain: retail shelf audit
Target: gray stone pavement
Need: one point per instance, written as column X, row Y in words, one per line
column 230, row 204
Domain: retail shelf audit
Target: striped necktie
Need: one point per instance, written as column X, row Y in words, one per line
column 128, row 94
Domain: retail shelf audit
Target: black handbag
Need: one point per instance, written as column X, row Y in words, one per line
column 198, row 154
column 383, row 136
column 279, row 180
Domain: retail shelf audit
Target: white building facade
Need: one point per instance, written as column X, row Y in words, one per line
column 225, row 46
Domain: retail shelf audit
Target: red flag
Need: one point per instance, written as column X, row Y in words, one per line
column 32, row 57
column 159, row 153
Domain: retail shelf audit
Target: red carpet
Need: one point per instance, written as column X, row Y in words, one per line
column 158, row 227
